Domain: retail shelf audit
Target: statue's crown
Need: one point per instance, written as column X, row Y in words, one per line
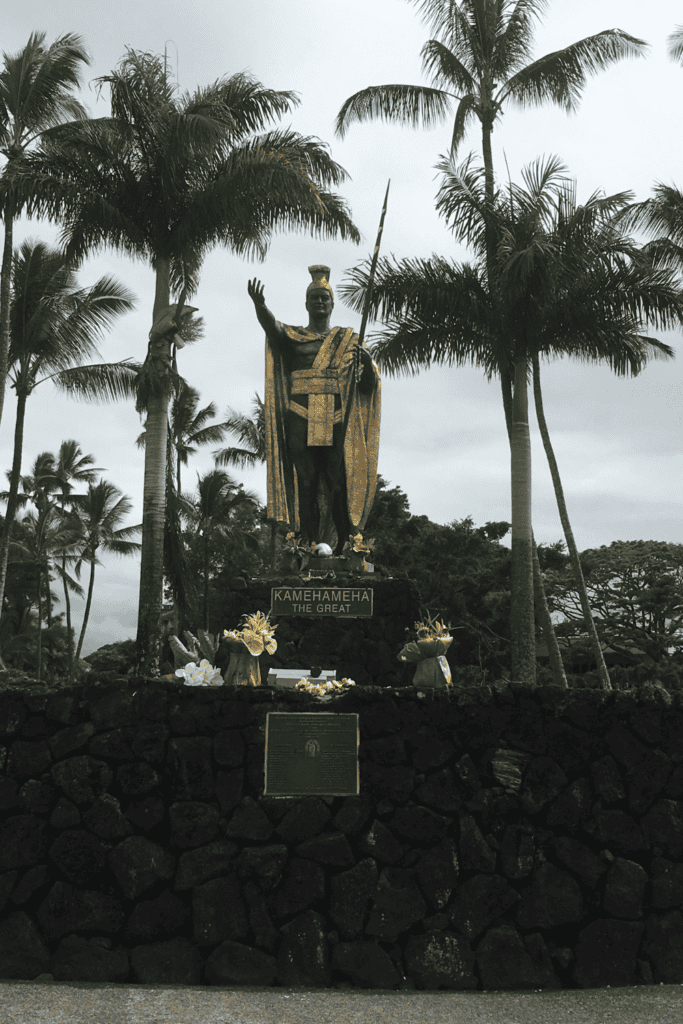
column 320, row 279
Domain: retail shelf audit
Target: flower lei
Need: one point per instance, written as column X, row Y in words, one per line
column 203, row 674
column 324, row 689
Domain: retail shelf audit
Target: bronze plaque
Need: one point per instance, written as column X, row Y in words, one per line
column 342, row 602
column 313, row 754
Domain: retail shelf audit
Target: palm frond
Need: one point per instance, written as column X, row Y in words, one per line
column 411, row 105
column 675, row 44
column 444, row 68
column 100, row 381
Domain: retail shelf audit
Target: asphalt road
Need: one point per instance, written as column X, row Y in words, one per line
column 26, row 1002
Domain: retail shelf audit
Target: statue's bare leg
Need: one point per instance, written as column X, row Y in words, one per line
column 306, row 463
column 340, row 514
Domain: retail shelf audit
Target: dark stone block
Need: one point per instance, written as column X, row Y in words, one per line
column 7, row 883
column 475, row 852
column 23, row 956
column 30, row 758
column 543, row 780
column 380, row 843
column 62, row 708
column 397, row 905
column 265, row 933
column 388, row 783
column 232, row 963
column 420, row 824
column 105, row 819
column 306, row 819
column 194, row 824
column 80, row 856
column 137, row 864
column 647, row 722
column 264, row 862
column 504, row 962
column 508, row 767
column 647, row 779
column 303, row 958
column 82, row 778
column 624, row 889
column 303, row 884
column 525, row 730
column 607, row 780
column 235, row 714
column 331, row 848
column 199, row 865
column 353, row 813
column 440, row 960
column 437, row 873
column 229, row 787
column 433, row 754
column 351, row 894
column 66, row 909
column 147, row 813
column 606, row 954
column 79, row 959
column 439, row 791
column 366, row 963
column 667, row 883
column 218, row 911
column 173, row 962
column 31, row 881
column 113, row 710
column 517, row 852
column 571, row 748
column 188, row 764
column 624, row 747
column 663, row 825
column 570, row 808
column 553, row 898
column 467, row 775
column 580, row 859
column 136, row 779
column 541, row 959
column 663, row 946
column 12, row 717
column 478, row 902
column 159, row 918
column 65, row 814
column 8, row 793
column 228, row 748
column 616, row 828
column 75, row 737
column 35, row 797
column 673, row 788
column 149, row 742
column 113, row 744
column 384, row 750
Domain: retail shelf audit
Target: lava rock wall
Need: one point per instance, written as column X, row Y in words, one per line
column 504, row 837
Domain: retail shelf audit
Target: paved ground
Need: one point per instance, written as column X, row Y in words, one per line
column 25, row 1002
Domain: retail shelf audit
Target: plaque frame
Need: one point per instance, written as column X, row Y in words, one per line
column 294, row 740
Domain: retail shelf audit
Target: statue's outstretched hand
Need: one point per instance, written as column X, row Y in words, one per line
column 255, row 289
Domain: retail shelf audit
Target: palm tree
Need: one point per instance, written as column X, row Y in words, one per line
column 35, row 96
column 164, row 179
column 564, row 283
column 53, row 324
column 101, row 512
column 211, row 514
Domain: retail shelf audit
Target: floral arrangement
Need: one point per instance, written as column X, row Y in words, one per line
column 203, row 674
column 433, row 640
column 256, row 635
column 324, row 689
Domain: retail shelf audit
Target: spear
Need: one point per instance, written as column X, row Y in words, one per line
column 355, row 373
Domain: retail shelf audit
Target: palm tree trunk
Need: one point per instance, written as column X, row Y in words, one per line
column 88, row 602
column 568, row 533
column 154, row 494
column 69, row 629
column 541, row 602
column 206, row 581
column 50, row 660
column 5, row 284
column 522, row 628
column 40, row 622
column 13, row 491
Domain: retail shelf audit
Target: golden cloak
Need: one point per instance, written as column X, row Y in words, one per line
column 333, row 368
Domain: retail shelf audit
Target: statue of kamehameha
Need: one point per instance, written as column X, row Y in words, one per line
column 322, row 409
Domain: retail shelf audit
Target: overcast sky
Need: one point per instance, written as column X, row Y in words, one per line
column 443, row 439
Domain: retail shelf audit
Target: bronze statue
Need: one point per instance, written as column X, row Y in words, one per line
column 318, row 377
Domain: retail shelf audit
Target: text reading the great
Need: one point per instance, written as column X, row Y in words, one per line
column 311, row 754
column 340, row 601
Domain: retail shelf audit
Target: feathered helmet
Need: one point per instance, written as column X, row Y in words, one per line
column 320, row 279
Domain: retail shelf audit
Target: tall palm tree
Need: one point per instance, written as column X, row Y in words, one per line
column 565, row 283
column 102, row 510
column 211, row 514
column 53, row 326
column 35, row 96
column 164, row 179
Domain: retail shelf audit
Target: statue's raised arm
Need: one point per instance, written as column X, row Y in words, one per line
column 268, row 322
